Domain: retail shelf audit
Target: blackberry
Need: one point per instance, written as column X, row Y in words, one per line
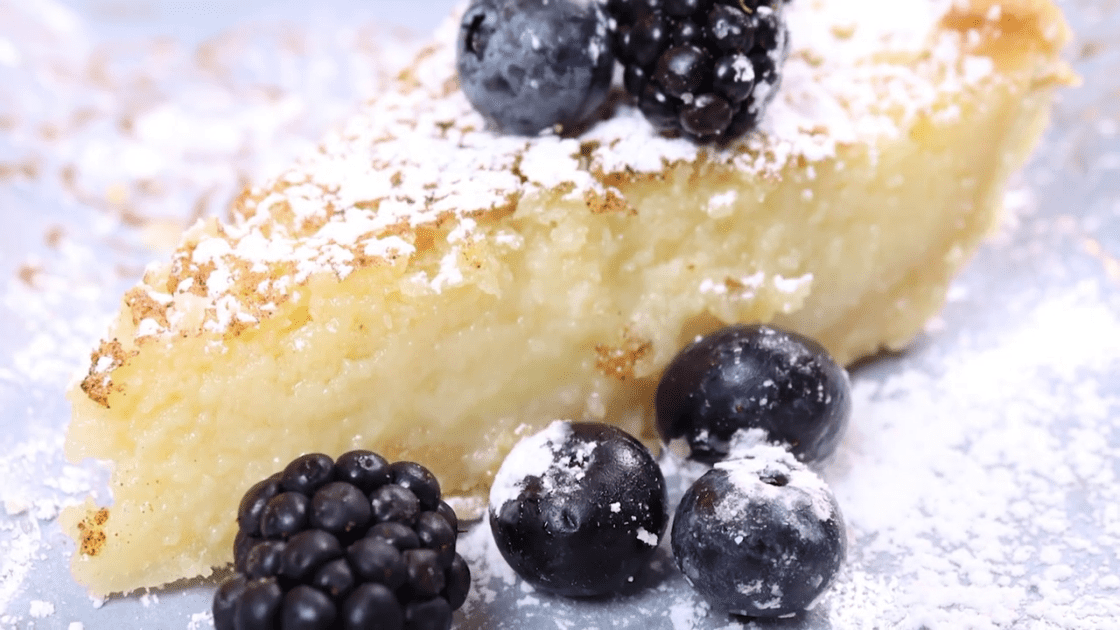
column 760, row 536
column 704, row 68
column 579, row 508
column 529, row 65
column 753, row 377
column 350, row 544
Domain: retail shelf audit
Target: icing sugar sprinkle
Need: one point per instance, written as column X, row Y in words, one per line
column 419, row 154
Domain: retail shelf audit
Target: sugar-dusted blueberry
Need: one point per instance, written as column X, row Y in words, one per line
column 754, row 377
column 528, row 65
column 760, row 536
column 578, row 508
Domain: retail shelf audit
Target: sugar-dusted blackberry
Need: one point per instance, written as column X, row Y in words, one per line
column 578, row 508
column 704, row 68
column 529, row 65
column 760, row 536
column 748, row 377
column 354, row 544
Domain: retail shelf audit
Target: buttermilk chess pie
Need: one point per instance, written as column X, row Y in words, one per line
column 431, row 289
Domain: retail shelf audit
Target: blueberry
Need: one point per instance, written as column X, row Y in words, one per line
column 760, row 536
column 754, row 377
column 579, row 508
column 528, row 65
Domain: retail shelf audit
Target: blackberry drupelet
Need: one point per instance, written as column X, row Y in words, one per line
column 353, row 544
column 704, row 68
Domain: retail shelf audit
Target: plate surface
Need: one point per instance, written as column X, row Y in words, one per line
column 979, row 479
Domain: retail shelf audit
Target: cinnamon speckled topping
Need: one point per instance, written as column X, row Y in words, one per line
column 419, row 155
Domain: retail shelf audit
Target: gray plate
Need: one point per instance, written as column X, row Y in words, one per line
column 980, row 477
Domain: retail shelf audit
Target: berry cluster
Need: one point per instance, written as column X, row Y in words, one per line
column 759, row 534
column 578, row 508
column 703, row 68
column 706, row 68
column 350, row 544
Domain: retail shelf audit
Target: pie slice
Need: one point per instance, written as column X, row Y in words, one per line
column 431, row 290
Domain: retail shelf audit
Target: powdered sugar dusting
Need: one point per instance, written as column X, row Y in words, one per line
column 420, row 155
column 531, row 457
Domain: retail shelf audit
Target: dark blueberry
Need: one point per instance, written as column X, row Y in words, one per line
column 425, row 572
column 733, row 77
column 754, row 377
column 375, row 560
column 458, row 583
column 420, row 481
column 335, row 579
column 372, row 605
column 760, row 536
column 731, row 48
column 448, row 513
column 307, row 551
column 307, row 473
column 683, row 70
column 285, row 514
column 307, row 608
column 252, row 505
column 225, row 601
column 436, row 533
column 432, row 614
column 394, row 503
column 369, row 471
column 396, row 534
column 265, row 559
column 731, row 29
column 259, row 605
column 578, row 508
column 529, row 65
column 340, row 508
column 707, row 115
